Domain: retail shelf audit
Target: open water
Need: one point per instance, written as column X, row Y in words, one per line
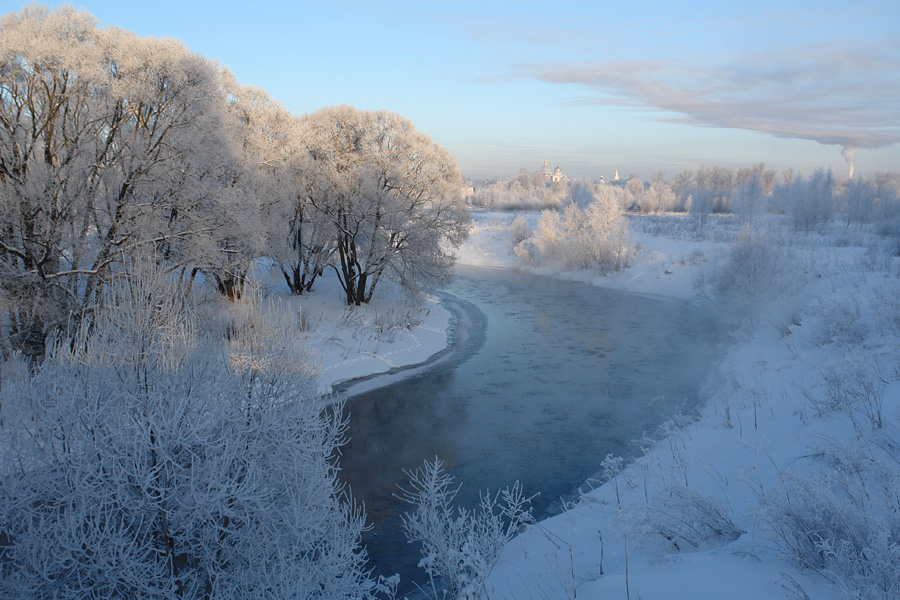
column 544, row 380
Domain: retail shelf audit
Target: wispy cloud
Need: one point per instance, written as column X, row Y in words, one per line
column 849, row 98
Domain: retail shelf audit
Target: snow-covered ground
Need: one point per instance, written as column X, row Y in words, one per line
column 349, row 343
column 702, row 513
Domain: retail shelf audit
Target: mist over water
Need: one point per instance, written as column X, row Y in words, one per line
column 554, row 376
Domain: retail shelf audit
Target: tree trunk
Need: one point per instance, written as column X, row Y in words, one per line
column 361, row 289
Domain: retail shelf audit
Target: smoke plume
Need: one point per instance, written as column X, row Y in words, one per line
column 849, row 154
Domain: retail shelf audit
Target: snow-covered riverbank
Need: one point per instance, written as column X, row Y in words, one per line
column 384, row 336
column 708, row 512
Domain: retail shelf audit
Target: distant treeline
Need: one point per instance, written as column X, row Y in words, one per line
column 746, row 192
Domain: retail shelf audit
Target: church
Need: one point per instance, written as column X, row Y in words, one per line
column 556, row 175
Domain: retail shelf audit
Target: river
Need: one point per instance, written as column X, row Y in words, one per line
column 547, row 377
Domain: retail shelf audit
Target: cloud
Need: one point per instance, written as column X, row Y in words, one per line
column 843, row 97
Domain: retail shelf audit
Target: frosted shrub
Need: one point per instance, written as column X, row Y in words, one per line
column 845, row 523
column 519, row 230
column 548, row 236
column 146, row 459
column 755, row 274
column 855, row 385
column 595, row 236
column 459, row 546
column 683, row 519
column 886, row 306
column 842, row 320
column 527, row 251
column 391, row 320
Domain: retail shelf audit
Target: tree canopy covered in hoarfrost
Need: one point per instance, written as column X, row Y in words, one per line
column 392, row 195
column 115, row 146
column 110, row 145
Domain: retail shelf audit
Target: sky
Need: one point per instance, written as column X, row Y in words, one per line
column 592, row 87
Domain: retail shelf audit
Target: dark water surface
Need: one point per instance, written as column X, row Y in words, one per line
column 552, row 377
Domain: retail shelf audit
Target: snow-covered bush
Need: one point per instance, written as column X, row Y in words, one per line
column 146, row 458
column 844, row 523
column 855, row 385
column 755, row 274
column 593, row 237
column 459, row 546
column 886, row 307
column 548, row 236
column 519, row 230
column 682, row 519
column 842, row 322
column 394, row 317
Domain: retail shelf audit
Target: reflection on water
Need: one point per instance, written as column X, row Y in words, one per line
column 562, row 375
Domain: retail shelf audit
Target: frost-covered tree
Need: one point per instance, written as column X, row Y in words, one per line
column 748, row 198
column 245, row 183
column 595, row 236
column 888, row 206
column 110, row 144
column 393, row 196
column 525, row 192
column 634, row 190
column 721, row 182
column 767, row 177
column 659, row 197
column 292, row 232
column 859, row 199
column 147, row 457
column 580, row 193
column 681, row 187
column 811, row 202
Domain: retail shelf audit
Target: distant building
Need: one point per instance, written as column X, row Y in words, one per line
column 556, row 175
column 616, row 176
column 545, row 171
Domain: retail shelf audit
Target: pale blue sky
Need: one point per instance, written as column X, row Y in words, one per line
column 589, row 86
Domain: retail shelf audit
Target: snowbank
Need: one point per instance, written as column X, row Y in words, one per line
column 384, row 336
